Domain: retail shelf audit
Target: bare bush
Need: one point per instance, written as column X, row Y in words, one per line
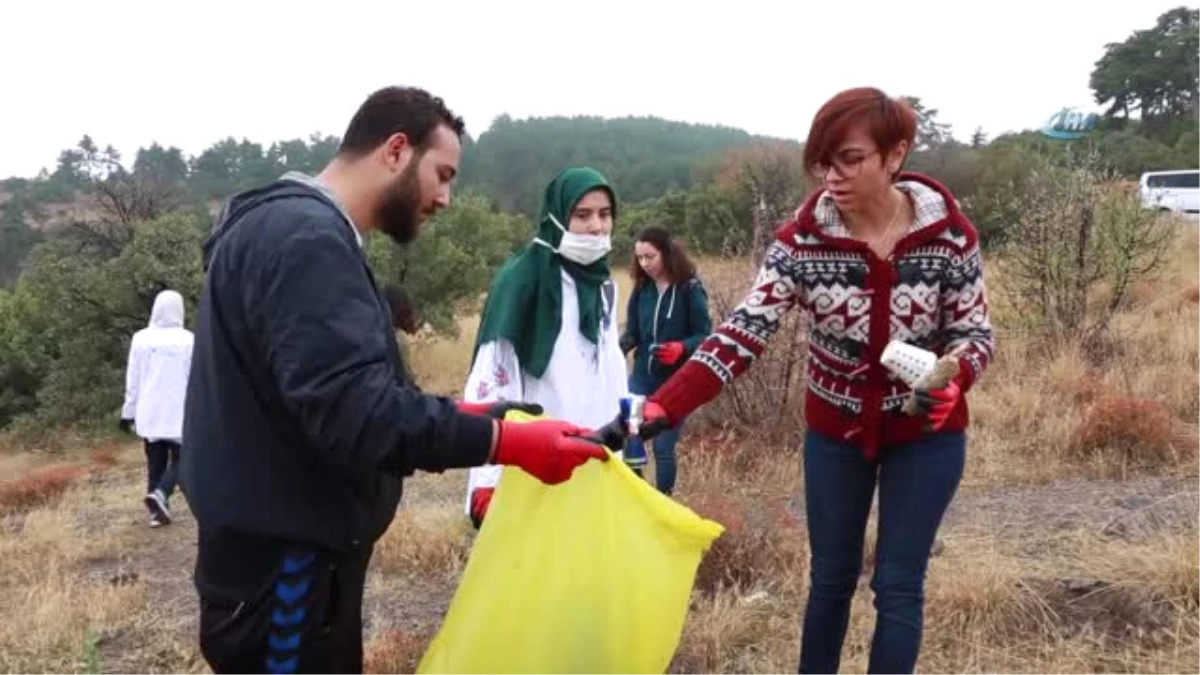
column 769, row 397
column 762, row 545
column 767, row 180
column 1073, row 233
column 114, row 203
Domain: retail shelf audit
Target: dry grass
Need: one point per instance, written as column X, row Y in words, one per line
column 105, row 456
column 429, row 542
column 1100, row 605
column 396, row 651
column 41, row 487
column 63, row 606
column 441, row 364
column 730, row 631
column 52, row 616
column 1038, row 598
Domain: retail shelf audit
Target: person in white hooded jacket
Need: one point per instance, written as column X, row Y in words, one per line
column 156, row 378
column 548, row 335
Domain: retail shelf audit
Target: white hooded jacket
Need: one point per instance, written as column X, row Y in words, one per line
column 156, row 377
column 583, row 382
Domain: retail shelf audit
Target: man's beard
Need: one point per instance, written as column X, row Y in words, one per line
column 399, row 214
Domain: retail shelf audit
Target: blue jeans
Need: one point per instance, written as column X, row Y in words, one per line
column 162, row 466
column 916, row 483
column 664, row 456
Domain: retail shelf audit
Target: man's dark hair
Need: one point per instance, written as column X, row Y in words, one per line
column 408, row 110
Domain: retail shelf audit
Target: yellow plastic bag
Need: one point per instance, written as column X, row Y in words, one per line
column 590, row 576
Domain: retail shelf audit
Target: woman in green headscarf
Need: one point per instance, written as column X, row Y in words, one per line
column 548, row 334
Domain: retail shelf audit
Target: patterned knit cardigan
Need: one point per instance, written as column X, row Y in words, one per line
column 930, row 293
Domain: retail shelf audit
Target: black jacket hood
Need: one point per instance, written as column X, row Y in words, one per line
column 243, row 202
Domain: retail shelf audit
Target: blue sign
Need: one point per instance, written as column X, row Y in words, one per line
column 1069, row 124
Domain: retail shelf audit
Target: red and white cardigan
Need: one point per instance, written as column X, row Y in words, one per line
column 929, row 293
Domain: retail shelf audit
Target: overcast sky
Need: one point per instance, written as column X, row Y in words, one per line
column 129, row 73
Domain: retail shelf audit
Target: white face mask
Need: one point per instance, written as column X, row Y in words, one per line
column 583, row 249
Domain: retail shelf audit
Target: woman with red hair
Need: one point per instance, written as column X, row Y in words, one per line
column 874, row 255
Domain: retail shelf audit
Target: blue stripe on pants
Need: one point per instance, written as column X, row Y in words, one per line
column 292, row 591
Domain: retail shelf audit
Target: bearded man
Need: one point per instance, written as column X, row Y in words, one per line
column 299, row 423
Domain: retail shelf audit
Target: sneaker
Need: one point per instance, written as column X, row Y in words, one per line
column 155, row 521
column 158, row 507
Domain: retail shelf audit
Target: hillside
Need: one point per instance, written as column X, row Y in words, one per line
column 508, row 166
column 510, row 162
column 645, row 157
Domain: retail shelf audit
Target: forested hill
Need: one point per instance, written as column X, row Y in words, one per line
column 645, row 157
column 510, row 163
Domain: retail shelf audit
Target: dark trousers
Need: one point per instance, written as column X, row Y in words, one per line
column 269, row 606
column 916, row 483
column 162, row 467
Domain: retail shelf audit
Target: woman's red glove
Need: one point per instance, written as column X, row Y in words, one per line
column 937, row 404
column 668, row 353
column 654, row 421
column 548, row 450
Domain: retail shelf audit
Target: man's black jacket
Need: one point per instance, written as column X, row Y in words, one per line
column 298, row 423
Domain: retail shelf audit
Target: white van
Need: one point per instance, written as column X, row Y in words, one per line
column 1177, row 191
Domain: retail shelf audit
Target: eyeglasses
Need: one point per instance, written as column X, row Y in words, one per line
column 847, row 164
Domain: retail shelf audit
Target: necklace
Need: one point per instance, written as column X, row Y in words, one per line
column 878, row 243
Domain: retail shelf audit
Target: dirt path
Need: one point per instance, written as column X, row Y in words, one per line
column 1132, row 510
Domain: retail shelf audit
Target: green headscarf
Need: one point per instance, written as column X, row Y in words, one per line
column 524, row 305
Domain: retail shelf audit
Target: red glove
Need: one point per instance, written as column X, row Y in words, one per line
column 548, row 450
column 654, row 420
column 481, row 498
column 937, row 404
column 668, row 352
column 498, row 409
